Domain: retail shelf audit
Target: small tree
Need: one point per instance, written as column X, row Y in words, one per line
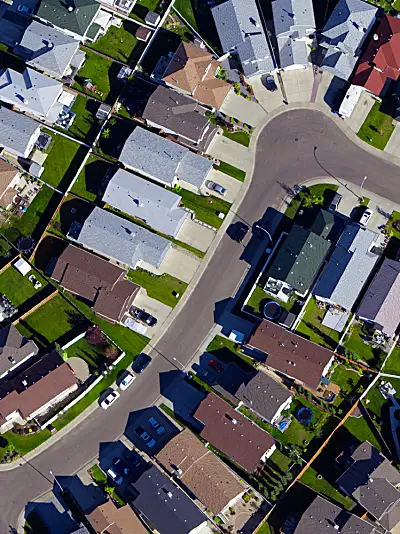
column 94, row 336
column 106, row 133
column 111, row 352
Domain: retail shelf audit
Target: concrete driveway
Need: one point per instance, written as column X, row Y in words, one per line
column 245, row 110
column 269, row 100
column 196, row 235
column 298, row 84
column 181, row 264
column 156, row 308
column 393, row 146
column 231, row 152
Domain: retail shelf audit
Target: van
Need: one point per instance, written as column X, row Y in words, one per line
column 333, row 206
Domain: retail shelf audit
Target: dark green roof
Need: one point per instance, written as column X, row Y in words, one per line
column 93, row 31
column 299, row 258
column 323, row 223
column 77, row 20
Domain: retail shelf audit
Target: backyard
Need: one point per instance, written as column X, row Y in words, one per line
column 85, row 126
column 259, row 298
column 311, row 327
column 198, row 15
column 205, row 207
column 357, row 347
column 161, row 288
column 17, row 287
column 319, row 484
column 326, row 191
column 392, row 365
column 377, row 127
column 347, row 379
column 142, row 7
column 90, row 179
column 120, row 43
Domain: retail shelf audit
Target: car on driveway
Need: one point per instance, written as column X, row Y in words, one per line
column 110, row 399
column 269, row 83
column 25, row 10
column 213, row 186
column 156, row 425
column 217, row 366
column 126, row 381
column 141, row 363
column 143, row 316
column 366, row 216
column 144, row 436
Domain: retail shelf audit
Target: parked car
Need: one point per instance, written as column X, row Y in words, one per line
column 127, row 381
column 143, row 316
column 141, row 363
column 333, row 206
column 269, row 83
column 114, row 476
column 213, row 186
column 144, row 436
column 25, row 9
column 217, row 366
column 156, row 425
column 366, row 216
column 110, row 399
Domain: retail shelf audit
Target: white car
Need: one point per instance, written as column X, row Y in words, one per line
column 110, row 399
column 126, row 381
column 115, row 477
column 366, row 216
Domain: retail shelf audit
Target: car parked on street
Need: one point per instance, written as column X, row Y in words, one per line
column 126, row 381
column 366, row 216
column 213, row 186
column 156, row 425
column 144, row 436
column 143, row 316
column 141, row 363
column 109, row 400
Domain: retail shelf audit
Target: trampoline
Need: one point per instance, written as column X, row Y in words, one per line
column 305, row 416
column 272, row 310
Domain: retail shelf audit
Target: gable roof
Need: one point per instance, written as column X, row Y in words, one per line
column 7, row 174
column 46, row 48
column 202, row 472
column 349, row 266
column 372, row 481
column 122, row 240
column 108, row 519
column 290, row 354
column 16, row 130
column 147, row 201
column 232, row 433
column 323, row 223
column 77, row 20
column 299, row 258
column 14, row 348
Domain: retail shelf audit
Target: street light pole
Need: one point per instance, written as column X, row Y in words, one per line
column 182, row 366
column 56, row 481
column 362, row 183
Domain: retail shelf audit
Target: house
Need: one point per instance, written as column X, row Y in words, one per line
column 323, row 224
column 152, row 204
column 233, row 434
column 344, row 35
column 34, row 390
column 14, row 349
column 297, row 263
column 240, row 31
column 380, row 63
column 289, row 354
column 32, row 92
column 324, row 517
column 108, row 519
column 379, row 305
column 176, row 114
column 18, row 133
column 98, row 281
column 76, row 18
column 192, row 71
column 256, row 390
column 348, row 268
column 164, row 161
column 9, row 179
column 373, row 482
column 294, row 25
column 50, row 50
column 121, row 240
column 201, row 472
column 160, row 503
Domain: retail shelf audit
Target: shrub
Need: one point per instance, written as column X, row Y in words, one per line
column 246, row 497
column 111, row 352
column 94, row 336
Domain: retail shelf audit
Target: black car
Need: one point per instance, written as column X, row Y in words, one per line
column 141, row 362
column 144, row 317
column 270, row 84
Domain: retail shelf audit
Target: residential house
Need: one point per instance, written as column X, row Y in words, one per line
column 121, row 240
column 233, row 434
column 35, row 390
column 324, row 517
column 14, row 349
column 9, row 180
column 201, row 472
column 192, row 71
column 379, row 305
column 348, row 268
column 373, row 482
column 107, row 518
column 289, row 354
column 324, row 224
column 297, row 263
column 152, row 204
column 380, row 63
column 294, row 28
column 18, row 133
column 98, row 281
column 240, row 31
column 160, row 503
column 164, row 161
column 256, row 390
column 344, row 35
column 50, row 50
column 177, row 114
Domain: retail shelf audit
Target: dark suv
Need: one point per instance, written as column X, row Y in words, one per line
column 143, row 316
column 141, row 362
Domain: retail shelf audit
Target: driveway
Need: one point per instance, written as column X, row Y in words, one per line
column 231, row 185
column 156, row 308
column 298, row 84
column 231, row 152
column 246, row 111
column 196, row 235
column 181, row 264
column 269, row 100
column 393, row 146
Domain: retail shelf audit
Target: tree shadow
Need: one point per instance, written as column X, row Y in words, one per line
column 49, row 249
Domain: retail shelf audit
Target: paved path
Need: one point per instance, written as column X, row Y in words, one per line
column 284, row 154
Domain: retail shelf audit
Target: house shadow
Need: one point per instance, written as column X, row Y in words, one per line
column 87, row 495
column 251, row 525
column 114, row 136
column 335, row 93
column 74, row 210
column 49, row 248
column 49, row 517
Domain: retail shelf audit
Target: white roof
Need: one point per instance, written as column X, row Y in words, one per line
column 22, row 266
column 350, row 100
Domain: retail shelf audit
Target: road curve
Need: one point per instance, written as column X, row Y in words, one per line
column 284, row 154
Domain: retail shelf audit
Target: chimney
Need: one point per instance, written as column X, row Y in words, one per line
column 234, row 421
column 25, row 383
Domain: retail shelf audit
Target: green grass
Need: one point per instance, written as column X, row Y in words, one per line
column 62, row 163
column 175, row 24
column 324, row 190
column 142, row 7
column 396, row 5
column 347, row 379
column 389, row 225
column 226, row 351
column 264, row 529
column 363, row 351
column 392, row 365
column 365, row 201
column 159, row 287
column 311, row 327
column 377, row 127
column 17, row 287
column 242, row 137
column 28, row 442
column 230, row 170
column 85, row 126
column 103, row 73
column 361, row 430
column 198, row 14
column 205, row 207
column 97, row 474
column 89, row 180
column 258, row 300
column 120, row 43
column 326, row 489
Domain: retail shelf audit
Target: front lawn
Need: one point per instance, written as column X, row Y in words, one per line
column 242, row 137
column 356, row 347
column 390, row 224
column 316, row 482
column 85, row 126
column 90, row 178
column 392, row 365
column 204, row 207
column 311, row 327
column 228, row 351
column 120, row 43
column 26, row 443
column 159, row 287
column 17, row 287
column 230, row 170
column 377, row 127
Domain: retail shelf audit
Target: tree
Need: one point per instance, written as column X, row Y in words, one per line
column 111, row 352
column 106, row 133
column 94, row 336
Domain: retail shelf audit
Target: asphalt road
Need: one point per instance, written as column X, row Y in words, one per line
column 285, row 154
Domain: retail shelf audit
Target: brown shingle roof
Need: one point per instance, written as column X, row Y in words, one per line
column 232, row 433
column 14, row 348
column 290, row 354
column 109, row 519
column 205, row 476
column 7, row 173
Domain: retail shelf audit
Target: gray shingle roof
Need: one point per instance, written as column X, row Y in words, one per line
column 292, row 15
column 146, row 201
column 77, row 20
column 16, row 130
column 292, row 51
column 47, row 48
column 349, row 266
column 122, row 240
column 193, row 169
column 380, row 303
column 239, row 28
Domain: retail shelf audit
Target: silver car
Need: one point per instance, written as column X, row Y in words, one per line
column 217, row 187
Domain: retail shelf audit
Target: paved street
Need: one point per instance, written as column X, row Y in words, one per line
column 285, row 154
